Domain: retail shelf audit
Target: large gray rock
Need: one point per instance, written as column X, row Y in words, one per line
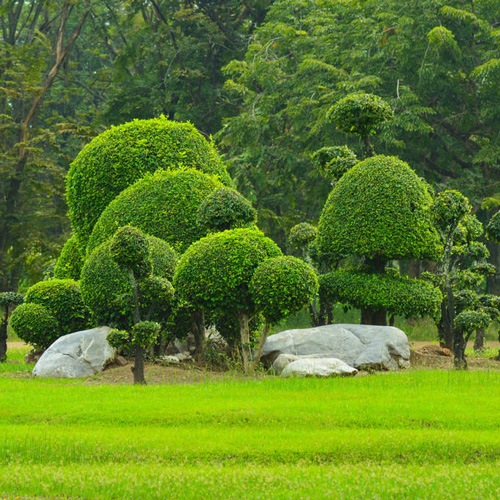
column 360, row 346
column 76, row 355
column 318, row 367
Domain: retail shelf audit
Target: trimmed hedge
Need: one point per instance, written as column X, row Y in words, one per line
column 215, row 272
column 164, row 204
column 226, row 209
column 35, row 325
column 106, row 288
column 122, row 155
column 398, row 295
column 70, row 263
column 63, row 300
column 379, row 209
column 282, row 286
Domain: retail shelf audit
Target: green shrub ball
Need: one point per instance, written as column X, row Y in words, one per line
column 106, row 288
column 282, row 286
column 215, row 272
column 129, row 248
column 164, row 204
column 35, row 325
column 122, row 155
column 63, row 300
column 379, row 209
column 226, row 209
column 69, row 264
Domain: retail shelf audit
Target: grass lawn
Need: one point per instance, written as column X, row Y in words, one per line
column 418, row 434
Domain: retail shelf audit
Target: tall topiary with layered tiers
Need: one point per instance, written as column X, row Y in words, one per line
column 124, row 154
column 164, row 204
column 378, row 211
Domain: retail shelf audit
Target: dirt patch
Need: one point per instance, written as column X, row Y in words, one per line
column 432, row 357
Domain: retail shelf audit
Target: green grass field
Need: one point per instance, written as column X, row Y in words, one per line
column 403, row 435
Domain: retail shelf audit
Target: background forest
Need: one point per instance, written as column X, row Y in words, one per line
column 260, row 77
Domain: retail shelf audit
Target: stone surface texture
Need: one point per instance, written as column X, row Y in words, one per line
column 361, row 346
column 76, row 355
column 318, row 367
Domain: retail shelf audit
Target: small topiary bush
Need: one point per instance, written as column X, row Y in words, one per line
column 63, row 300
column 398, row 295
column 380, row 210
column 70, row 262
column 302, row 235
column 106, row 288
column 122, row 155
column 35, row 325
column 129, row 248
column 334, row 162
column 164, row 204
column 226, row 209
column 282, row 286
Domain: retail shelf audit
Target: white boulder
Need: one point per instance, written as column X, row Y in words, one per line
column 76, row 355
column 318, row 367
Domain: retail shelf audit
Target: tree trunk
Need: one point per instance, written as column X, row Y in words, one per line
column 262, row 341
column 3, row 336
column 459, row 344
column 138, row 368
column 479, row 340
column 374, row 317
column 246, row 351
column 198, row 331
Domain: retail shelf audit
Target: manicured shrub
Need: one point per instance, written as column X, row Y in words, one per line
column 302, row 235
column 360, row 113
column 122, row 155
column 226, row 209
column 106, row 288
column 164, row 204
column 63, row 300
column 398, row 295
column 70, row 263
column 334, row 162
column 282, row 286
column 129, row 248
column 35, row 325
column 378, row 210
column 215, row 274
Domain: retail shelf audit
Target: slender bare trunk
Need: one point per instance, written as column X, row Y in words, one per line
column 246, row 351
column 260, row 347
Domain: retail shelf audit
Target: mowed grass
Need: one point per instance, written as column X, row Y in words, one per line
column 402, row 435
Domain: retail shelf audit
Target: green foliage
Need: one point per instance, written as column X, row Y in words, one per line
column 142, row 334
column 34, row 324
column 215, row 272
column 122, row 155
column 8, row 299
column 282, row 286
column 70, row 262
column 470, row 321
column 448, row 209
column 360, row 113
column 157, row 298
column 333, row 162
column 302, row 235
column 378, row 209
column 63, row 300
column 225, row 209
column 106, row 288
column 129, row 248
column 399, row 295
column 164, row 204
column 493, row 228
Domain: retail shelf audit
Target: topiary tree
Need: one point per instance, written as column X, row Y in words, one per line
column 334, row 162
column 281, row 286
column 164, row 204
column 461, row 269
column 215, row 274
column 378, row 211
column 361, row 114
column 225, row 209
column 63, row 308
column 8, row 302
column 106, row 288
column 35, row 325
column 70, row 262
column 129, row 249
column 122, row 155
